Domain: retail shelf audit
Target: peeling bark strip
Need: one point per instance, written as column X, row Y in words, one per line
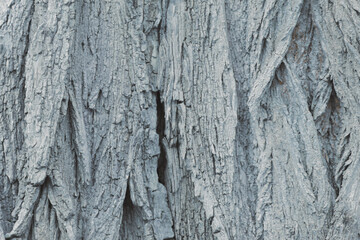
column 179, row 119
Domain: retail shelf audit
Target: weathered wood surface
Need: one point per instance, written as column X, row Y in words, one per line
column 179, row 119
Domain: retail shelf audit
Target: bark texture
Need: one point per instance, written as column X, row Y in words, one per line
column 179, row 119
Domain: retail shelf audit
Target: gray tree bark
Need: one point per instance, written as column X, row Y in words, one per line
column 179, row 119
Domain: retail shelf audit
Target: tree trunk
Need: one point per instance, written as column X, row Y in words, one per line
column 179, row 119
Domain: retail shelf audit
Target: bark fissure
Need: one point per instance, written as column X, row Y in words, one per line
column 160, row 129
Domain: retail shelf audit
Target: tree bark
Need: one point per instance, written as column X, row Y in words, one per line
column 179, row 119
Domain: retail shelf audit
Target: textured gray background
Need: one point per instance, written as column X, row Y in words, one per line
column 179, row 119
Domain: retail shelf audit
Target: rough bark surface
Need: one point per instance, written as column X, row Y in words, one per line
column 179, row 119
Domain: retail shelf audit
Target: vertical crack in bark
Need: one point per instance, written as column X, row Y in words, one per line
column 127, row 209
column 22, row 92
column 162, row 160
column 72, row 139
column 160, row 129
column 27, row 42
column 128, row 205
column 132, row 218
column 334, row 105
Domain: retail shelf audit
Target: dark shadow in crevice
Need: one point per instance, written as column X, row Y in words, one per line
column 70, row 115
column 160, row 130
column 127, row 201
column 132, row 218
column 128, row 210
column 334, row 106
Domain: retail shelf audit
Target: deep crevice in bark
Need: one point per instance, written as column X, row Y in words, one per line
column 334, row 105
column 27, row 43
column 70, row 113
column 127, row 200
column 132, row 218
column 127, row 209
column 160, row 129
column 22, row 92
